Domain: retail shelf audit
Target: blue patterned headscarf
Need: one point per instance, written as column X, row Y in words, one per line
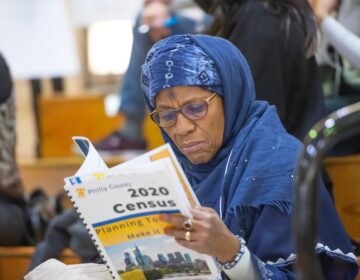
column 250, row 168
column 179, row 64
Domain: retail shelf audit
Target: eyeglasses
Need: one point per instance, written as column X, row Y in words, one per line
column 193, row 110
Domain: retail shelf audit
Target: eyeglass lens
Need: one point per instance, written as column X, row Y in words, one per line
column 193, row 111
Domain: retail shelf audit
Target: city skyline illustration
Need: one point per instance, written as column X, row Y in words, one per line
column 150, row 247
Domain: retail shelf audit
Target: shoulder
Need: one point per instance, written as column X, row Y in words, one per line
column 3, row 65
column 269, row 134
column 184, row 19
column 253, row 21
column 184, row 24
column 5, row 80
column 261, row 18
column 256, row 11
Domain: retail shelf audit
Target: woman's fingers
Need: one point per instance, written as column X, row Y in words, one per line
column 186, row 235
column 178, row 221
column 200, row 212
column 205, row 232
column 203, row 218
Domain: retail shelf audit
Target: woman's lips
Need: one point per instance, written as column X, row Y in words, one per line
column 191, row 147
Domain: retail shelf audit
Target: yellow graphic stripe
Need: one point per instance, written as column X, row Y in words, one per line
column 134, row 228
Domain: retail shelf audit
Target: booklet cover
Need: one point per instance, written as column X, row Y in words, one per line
column 120, row 207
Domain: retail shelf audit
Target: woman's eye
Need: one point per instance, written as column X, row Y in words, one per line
column 194, row 108
column 167, row 116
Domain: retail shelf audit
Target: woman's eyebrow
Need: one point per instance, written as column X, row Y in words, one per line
column 165, row 107
column 191, row 98
column 170, row 107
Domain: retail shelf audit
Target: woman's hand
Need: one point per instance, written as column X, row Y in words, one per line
column 323, row 8
column 208, row 233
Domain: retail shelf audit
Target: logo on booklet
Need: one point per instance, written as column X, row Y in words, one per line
column 75, row 180
column 98, row 175
column 80, row 192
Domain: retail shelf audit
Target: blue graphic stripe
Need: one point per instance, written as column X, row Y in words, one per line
column 103, row 223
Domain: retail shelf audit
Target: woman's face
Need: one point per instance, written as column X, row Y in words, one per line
column 199, row 140
column 154, row 15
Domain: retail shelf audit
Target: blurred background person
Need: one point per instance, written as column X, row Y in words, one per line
column 278, row 39
column 343, row 32
column 156, row 21
column 65, row 230
column 339, row 55
column 14, row 222
column 23, row 216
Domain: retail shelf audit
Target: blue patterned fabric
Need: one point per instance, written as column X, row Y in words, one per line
column 249, row 181
column 173, row 69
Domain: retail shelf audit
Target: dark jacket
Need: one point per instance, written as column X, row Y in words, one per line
column 5, row 80
column 282, row 74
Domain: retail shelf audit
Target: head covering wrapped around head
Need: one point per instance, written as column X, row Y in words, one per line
column 216, row 64
column 180, row 60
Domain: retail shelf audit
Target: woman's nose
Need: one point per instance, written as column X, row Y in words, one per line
column 183, row 125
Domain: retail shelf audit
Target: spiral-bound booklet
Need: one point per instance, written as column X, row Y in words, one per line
column 120, row 207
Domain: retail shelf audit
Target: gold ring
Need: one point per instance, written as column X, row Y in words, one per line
column 187, row 225
column 188, row 236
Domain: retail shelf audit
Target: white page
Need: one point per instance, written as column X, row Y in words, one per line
column 138, row 161
column 93, row 161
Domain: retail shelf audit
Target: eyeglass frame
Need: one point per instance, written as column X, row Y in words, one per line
column 179, row 110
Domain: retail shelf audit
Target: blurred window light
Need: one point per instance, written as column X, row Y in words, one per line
column 109, row 47
column 112, row 103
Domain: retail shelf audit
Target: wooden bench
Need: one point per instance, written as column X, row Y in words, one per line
column 62, row 117
column 14, row 261
column 345, row 175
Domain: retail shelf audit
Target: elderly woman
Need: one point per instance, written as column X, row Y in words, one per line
column 239, row 160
